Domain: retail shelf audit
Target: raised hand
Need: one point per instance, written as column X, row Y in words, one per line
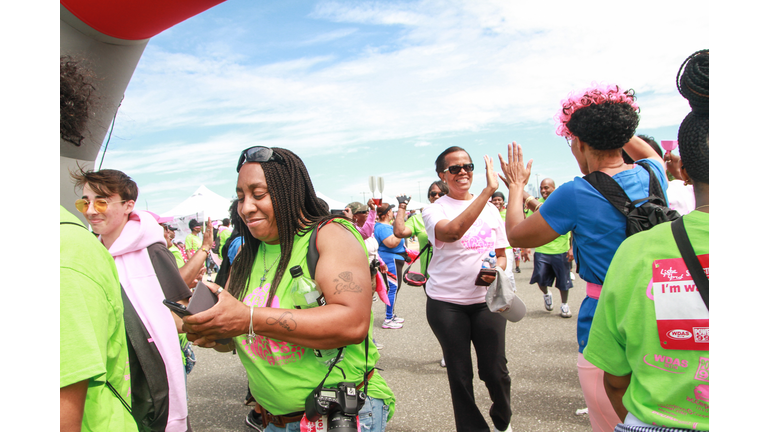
column 515, row 173
column 490, row 174
column 402, row 199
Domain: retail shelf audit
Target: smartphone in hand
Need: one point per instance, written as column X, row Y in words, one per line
column 484, row 272
column 177, row 308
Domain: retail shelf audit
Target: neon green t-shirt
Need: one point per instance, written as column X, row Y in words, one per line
column 281, row 375
column 223, row 236
column 192, row 242
column 177, row 254
column 416, row 224
column 668, row 387
column 557, row 246
column 92, row 343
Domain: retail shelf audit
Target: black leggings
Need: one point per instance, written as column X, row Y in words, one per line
column 455, row 326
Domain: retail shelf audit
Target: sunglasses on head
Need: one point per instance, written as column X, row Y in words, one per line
column 99, row 204
column 433, row 193
column 455, row 169
column 258, row 154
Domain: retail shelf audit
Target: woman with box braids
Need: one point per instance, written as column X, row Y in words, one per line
column 631, row 327
column 296, row 208
column 281, row 336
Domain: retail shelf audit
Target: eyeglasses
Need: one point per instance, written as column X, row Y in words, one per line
column 433, row 193
column 258, row 154
column 100, row 205
column 455, row 169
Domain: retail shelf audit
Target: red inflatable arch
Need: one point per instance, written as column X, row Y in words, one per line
column 110, row 37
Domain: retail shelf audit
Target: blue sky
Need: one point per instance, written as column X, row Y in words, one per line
column 381, row 88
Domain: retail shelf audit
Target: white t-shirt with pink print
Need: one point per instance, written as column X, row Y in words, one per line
column 455, row 265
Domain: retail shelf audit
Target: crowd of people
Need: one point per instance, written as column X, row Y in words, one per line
column 125, row 355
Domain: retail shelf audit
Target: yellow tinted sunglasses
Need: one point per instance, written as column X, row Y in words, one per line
column 99, row 204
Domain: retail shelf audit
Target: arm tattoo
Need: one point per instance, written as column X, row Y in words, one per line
column 346, row 283
column 285, row 321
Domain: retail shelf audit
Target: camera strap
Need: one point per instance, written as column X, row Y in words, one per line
column 366, row 373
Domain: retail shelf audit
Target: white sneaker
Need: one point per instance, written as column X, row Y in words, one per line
column 548, row 301
column 565, row 311
column 508, row 429
column 389, row 324
column 397, row 319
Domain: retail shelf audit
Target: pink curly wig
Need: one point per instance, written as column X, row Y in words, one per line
column 597, row 94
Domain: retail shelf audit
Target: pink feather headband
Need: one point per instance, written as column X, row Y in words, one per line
column 597, row 94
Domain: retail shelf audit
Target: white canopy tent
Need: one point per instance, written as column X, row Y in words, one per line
column 332, row 203
column 204, row 201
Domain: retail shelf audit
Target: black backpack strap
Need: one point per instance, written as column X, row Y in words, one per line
column 122, row 401
column 691, row 261
column 610, row 190
column 312, row 254
column 654, row 186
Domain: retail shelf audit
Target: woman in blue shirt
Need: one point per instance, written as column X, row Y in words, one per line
column 597, row 124
column 392, row 252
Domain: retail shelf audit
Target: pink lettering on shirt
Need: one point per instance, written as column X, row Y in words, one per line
column 479, row 237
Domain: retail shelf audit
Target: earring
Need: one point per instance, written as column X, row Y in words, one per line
column 688, row 182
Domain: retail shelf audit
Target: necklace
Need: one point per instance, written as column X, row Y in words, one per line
column 705, row 205
column 266, row 269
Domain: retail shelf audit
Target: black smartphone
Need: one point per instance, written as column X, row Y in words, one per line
column 177, row 308
column 488, row 272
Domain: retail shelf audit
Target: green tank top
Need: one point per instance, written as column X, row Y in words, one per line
column 281, row 374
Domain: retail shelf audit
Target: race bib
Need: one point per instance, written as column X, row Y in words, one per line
column 682, row 317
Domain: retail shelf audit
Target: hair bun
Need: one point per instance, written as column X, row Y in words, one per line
column 693, row 81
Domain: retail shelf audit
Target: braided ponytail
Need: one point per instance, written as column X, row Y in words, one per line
column 693, row 135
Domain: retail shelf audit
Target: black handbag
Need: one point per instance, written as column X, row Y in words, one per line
column 414, row 278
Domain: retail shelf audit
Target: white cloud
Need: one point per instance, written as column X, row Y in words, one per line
column 329, row 36
column 452, row 67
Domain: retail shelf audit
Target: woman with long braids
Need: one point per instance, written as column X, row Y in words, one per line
column 279, row 209
column 626, row 340
column 596, row 123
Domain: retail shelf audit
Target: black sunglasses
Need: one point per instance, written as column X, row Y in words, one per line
column 455, row 169
column 258, row 154
column 433, row 193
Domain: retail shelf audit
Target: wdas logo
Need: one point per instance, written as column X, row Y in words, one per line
column 679, row 334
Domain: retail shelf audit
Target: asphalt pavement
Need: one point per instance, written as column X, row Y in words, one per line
column 541, row 351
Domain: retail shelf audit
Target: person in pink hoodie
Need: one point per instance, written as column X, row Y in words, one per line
column 146, row 268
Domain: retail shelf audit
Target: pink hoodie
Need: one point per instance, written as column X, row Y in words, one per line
column 137, row 276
